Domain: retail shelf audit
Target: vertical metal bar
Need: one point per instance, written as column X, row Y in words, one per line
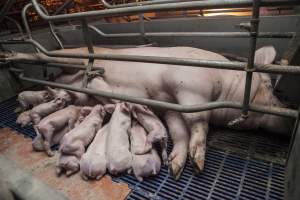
column 142, row 28
column 252, row 47
column 89, row 43
column 62, row 7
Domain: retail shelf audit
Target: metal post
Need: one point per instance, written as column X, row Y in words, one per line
column 142, row 28
column 6, row 8
column 62, row 7
column 252, row 47
column 89, row 43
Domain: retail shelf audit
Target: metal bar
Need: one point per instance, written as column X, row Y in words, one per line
column 108, row 5
column 89, row 43
column 169, row 106
column 270, row 68
column 195, row 34
column 26, row 25
column 62, row 7
column 161, row 7
column 254, row 23
column 6, row 8
column 19, row 27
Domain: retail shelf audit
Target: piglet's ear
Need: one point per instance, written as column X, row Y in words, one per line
column 110, row 108
column 126, row 107
column 265, row 55
column 51, row 91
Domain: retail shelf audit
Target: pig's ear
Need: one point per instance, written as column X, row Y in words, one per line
column 265, row 55
column 110, row 108
column 126, row 107
column 51, row 91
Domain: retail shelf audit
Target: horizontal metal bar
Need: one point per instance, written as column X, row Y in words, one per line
column 195, row 34
column 161, row 7
column 165, row 105
column 228, row 65
column 152, row 2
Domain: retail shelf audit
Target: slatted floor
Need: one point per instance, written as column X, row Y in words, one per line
column 226, row 175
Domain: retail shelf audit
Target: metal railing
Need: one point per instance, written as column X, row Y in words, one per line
column 249, row 67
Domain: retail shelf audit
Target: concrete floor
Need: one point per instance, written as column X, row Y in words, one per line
column 17, row 148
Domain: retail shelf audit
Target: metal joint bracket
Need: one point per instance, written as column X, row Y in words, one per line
column 95, row 73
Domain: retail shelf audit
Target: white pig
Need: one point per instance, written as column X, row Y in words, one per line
column 138, row 139
column 28, row 99
column 93, row 162
column 75, row 141
column 40, row 111
column 155, row 128
column 146, row 165
column 55, row 122
column 24, row 118
column 67, row 163
column 117, row 146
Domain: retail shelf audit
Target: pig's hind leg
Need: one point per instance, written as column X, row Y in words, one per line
column 198, row 126
column 180, row 139
column 48, row 134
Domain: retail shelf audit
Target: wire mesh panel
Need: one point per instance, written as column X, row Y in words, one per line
column 225, row 176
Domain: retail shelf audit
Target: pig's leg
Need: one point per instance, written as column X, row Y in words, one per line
column 36, row 118
column 180, row 138
column 47, row 141
column 198, row 126
column 71, row 123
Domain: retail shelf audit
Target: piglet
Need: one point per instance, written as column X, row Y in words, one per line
column 67, row 163
column 55, row 122
column 146, row 165
column 24, row 118
column 28, row 99
column 155, row 128
column 75, row 141
column 44, row 109
column 118, row 156
column 138, row 139
column 93, row 162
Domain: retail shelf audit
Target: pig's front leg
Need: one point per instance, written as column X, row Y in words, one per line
column 180, row 139
column 198, row 126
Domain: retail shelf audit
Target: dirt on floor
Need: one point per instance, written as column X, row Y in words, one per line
column 14, row 146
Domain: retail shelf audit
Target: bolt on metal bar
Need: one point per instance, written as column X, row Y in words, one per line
column 284, row 112
column 254, row 23
column 228, row 65
column 19, row 27
column 27, row 28
column 89, row 43
column 161, row 7
column 194, row 34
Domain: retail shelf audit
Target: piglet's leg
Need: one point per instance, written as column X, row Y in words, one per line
column 47, row 142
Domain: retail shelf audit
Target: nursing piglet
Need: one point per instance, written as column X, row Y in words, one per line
column 55, row 122
column 24, row 118
column 93, row 162
column 28, row 99
column 138, row 139
column 156, row 130
column 40, row 111
column 118, row 156
column 146, row 165
column 75, row 141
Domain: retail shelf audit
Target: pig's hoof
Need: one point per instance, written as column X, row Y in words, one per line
column 50, row 153
column 69, row 173
column 84, row 177
column 175, row 170
column 198, row 165
column 197, row 158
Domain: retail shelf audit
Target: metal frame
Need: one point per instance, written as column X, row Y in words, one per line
column 249, row 67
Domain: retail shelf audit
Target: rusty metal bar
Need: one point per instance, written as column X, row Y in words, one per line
column 26, row 25
column 169, row 106
column 161, row 7
column 270, row 68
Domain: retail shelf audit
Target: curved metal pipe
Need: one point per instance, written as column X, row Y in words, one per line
column 161, row 7
column 26, row 25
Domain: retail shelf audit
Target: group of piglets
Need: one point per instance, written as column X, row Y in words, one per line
column 94, row 138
